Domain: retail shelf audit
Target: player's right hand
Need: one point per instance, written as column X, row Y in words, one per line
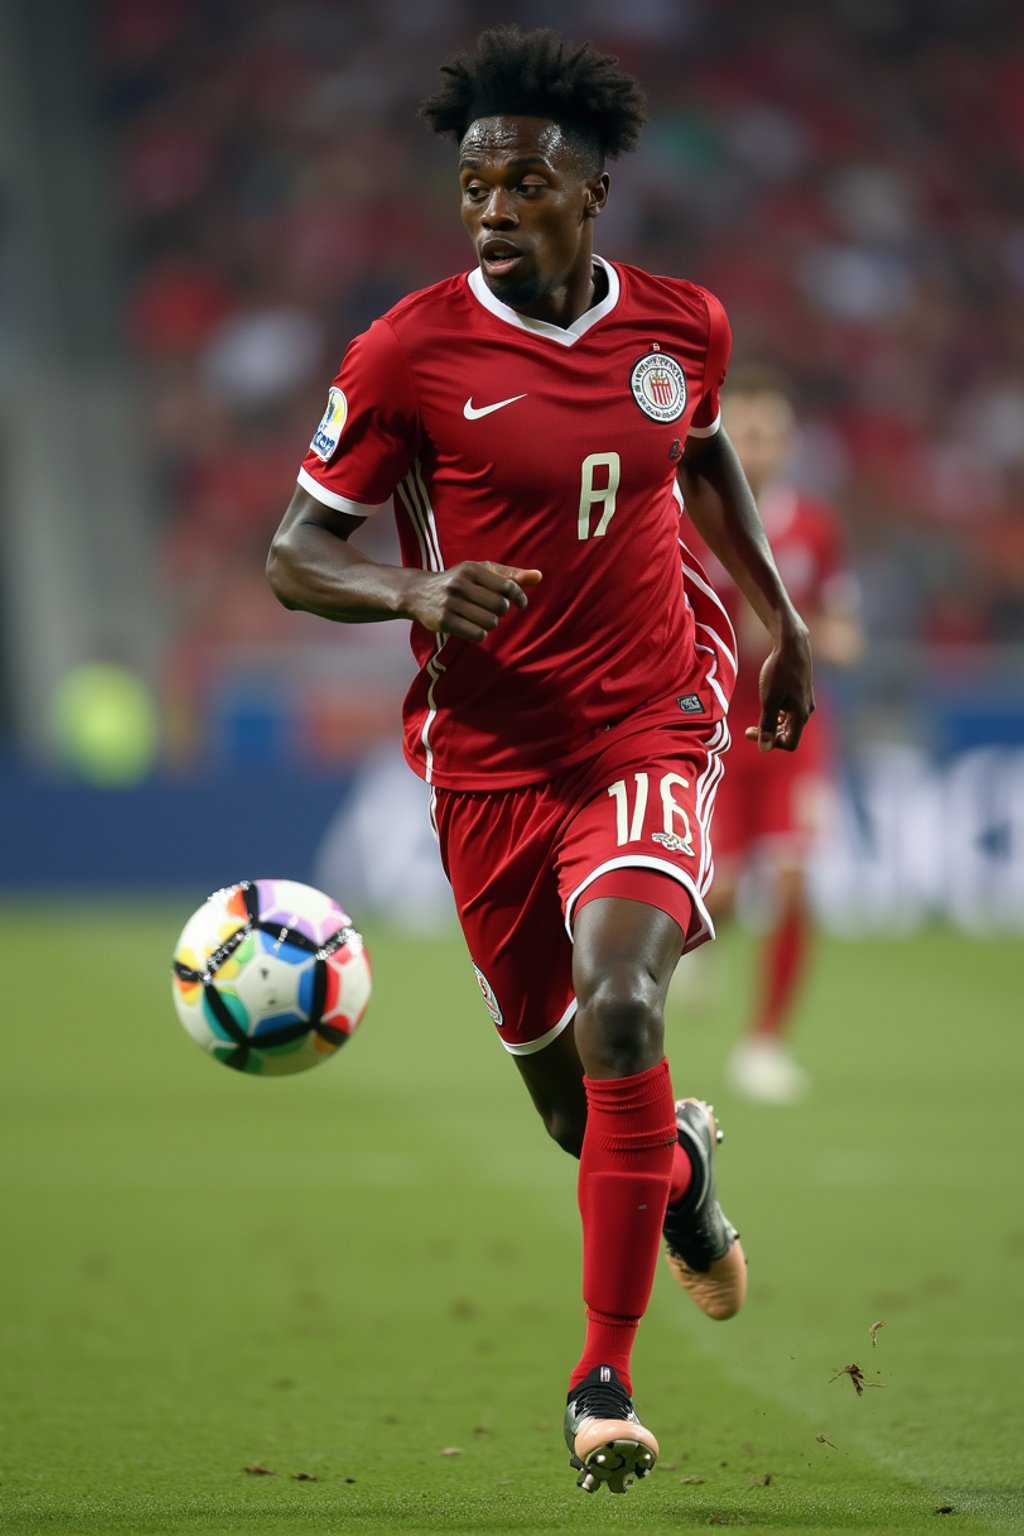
column 470, row 599
column 787, row 693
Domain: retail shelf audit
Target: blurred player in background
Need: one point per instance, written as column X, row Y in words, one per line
column 770, row 810
column 537, row 422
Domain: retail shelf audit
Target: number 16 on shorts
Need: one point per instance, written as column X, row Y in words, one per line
column 644, row 803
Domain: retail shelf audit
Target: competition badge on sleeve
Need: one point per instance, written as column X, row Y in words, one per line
column 327, row 434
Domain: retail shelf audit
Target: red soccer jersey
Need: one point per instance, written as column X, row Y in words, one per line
column 807, row 542
column 510, row 439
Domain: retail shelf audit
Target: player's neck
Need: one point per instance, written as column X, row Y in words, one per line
column 580, row 292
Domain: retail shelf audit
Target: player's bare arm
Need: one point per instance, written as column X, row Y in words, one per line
column 313, row 566
column 722, row 508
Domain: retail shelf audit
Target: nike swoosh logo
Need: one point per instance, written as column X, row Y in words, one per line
column 474, row 412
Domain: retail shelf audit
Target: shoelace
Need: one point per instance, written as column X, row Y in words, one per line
column 602, row 1401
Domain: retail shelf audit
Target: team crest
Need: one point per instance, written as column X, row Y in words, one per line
column 328, row 433
column 659, row 386
column 673, row 842
column 489, row 997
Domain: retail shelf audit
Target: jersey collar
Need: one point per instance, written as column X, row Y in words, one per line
column 567, row 336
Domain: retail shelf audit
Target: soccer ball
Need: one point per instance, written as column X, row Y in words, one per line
column 270, row 977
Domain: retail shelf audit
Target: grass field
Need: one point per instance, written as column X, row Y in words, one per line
column 365, row 1280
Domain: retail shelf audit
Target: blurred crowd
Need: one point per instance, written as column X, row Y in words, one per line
column 844, row 174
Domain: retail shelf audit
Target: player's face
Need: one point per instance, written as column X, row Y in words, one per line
column 528, row 206
column 760, row 428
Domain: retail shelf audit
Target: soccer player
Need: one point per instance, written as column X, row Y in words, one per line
column 770, row 811
column 537, row 422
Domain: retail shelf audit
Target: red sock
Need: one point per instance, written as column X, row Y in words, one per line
column 682, row 1175
column 784, row 961
column 625, row 1172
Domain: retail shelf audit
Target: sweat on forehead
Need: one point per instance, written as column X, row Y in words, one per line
column 505, row 137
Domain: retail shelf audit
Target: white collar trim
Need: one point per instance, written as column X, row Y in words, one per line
column 567, row 336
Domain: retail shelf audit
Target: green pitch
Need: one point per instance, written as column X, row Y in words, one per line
column 348, row 1301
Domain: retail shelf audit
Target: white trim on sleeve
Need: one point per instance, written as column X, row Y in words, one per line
column 706, row 431
column 339, row 503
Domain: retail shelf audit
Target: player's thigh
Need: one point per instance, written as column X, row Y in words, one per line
column 497, row 853
column 628, row 946
column 624, row 955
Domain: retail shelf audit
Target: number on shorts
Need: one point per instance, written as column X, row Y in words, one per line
column 629, row 819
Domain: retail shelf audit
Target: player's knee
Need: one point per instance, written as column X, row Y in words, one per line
column 620, row 1027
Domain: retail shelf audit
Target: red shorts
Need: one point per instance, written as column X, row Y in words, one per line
column 631, row 822
column 774, row 802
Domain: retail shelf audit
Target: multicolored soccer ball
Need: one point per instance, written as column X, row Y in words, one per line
column 270, row 977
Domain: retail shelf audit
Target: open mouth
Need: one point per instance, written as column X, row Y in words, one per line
column 498, row 258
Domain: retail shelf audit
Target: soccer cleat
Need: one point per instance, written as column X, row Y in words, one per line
column 703, row 1247
column 607, row 1443
column 764, row 1072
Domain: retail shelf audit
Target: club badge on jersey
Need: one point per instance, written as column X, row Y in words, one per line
column 328, row 433
column 659, row 386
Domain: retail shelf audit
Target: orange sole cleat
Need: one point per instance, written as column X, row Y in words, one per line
column 607, row 1442
column 703, row 1247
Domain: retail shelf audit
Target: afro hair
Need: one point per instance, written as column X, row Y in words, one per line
column 539, row 74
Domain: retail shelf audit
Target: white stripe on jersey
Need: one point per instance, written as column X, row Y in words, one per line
column 696, row 579
column 435, row 667
column 720, row 646
column 413, row 494
column 710, row 619
column 431, row 525
column 402, row 492
column 710, row 678
column 716, row 649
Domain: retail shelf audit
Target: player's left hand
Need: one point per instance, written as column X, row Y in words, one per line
column 787, row 694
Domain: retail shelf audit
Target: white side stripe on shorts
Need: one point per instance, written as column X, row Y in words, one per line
column 530, row 1046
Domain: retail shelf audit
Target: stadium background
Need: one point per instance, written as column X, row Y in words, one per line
column 201, row 202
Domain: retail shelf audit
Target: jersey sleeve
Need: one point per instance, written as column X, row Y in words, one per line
column 707, row 418
column 370, row 432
